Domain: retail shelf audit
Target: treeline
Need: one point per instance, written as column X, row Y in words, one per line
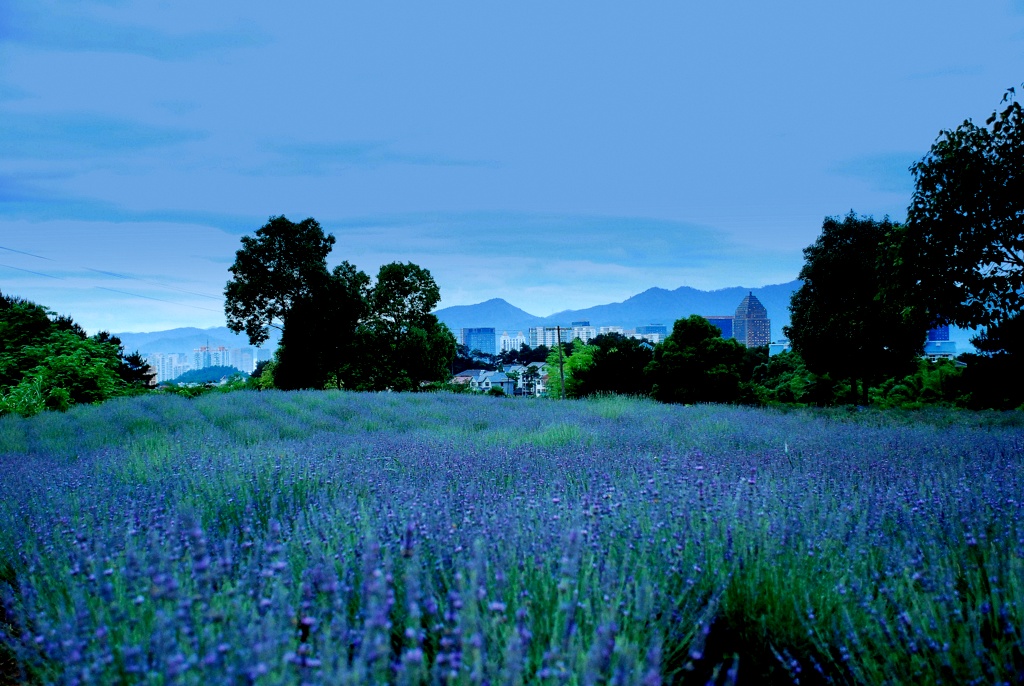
column 870, row 292
column 338, row 328
column 47, row 361
column 695, row 365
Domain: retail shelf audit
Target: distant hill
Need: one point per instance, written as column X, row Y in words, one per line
column 487, row 314
column 187, row 339
column 653, row 306
column 208, row 375
column 660, row 306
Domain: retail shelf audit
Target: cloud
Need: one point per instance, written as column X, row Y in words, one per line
column 323, row 158
column 66, row 27
column 20, row 199
column 886, row 172
column 9, row 92
column 498, row 235
column 79, row 136
column 972, row 70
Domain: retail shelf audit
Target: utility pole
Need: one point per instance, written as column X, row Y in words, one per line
column 561, row 363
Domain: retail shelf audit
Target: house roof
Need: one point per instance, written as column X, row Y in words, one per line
column 940, row 348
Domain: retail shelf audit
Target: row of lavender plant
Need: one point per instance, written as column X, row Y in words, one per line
column 349, row 538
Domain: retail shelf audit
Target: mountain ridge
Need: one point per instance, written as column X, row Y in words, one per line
column 655, row 305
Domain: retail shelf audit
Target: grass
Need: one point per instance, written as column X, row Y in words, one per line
column 368, row 538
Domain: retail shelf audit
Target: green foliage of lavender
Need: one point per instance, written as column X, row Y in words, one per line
column 434, row 538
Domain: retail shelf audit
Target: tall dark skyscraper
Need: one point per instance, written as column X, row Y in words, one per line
column 659, row 329
column 481, row 339
column 723, row 323
column 751, row 325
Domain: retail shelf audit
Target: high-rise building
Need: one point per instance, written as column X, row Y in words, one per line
column 201, row 357
column 205, row 356
column 220, row 357
column 583, row 331
column 507, row 342
column 481, row 339
column 652, row 333
column 723, row 322
column 168, row 366
column 939, row 333
column 750, row 325
column 654, row 338
column 242, row 359
column 548, row 336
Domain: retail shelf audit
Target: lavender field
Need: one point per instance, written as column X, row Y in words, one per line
column 341, row 538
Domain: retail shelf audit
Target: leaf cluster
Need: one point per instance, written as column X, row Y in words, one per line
column 49, row 362
column 962, row 250
column 339, row 328
column 842, row 321
column 695, row 364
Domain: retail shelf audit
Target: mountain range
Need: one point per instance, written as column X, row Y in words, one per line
column 187, row 339
column 653, row 306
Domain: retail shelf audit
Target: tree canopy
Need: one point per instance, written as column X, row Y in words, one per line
column 617, row 364
column 403, row 345
column 839, row 323
column 695, row 364
column 338, row 328
column 284, row 262
column 49, row 362
column 962, row 250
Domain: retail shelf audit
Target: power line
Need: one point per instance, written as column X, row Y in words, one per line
column 160, row 300
column 154, row 283
column 30, row 254
column 49, row 276
column 116, row 275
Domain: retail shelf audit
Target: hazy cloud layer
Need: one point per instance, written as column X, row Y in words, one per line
column 94, row 27
column 886, row 172
column 556, row 155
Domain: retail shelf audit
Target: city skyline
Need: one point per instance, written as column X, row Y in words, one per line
column 558, row 157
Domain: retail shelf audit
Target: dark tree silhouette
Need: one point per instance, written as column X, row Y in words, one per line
column 839, row 323
column 695, row 364
column 617, row 366
column 961, row 254
column 284, row 262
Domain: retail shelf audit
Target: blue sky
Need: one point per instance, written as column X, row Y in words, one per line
column 558, row 155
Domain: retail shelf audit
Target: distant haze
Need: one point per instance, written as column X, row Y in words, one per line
column 551, row 154
column 653, row 306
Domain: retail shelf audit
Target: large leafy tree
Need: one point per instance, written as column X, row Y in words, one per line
column 575, row 359
column 617, row 365
column 280, row 279
column 320, row 344
column 992, row 376
column 133, row 369
column 962, row 251
column 347, row 304
column 283, row 263
column 403, row 346
column 49, row 362
column 695, row 364
column 839, row 323
column 337, row 329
